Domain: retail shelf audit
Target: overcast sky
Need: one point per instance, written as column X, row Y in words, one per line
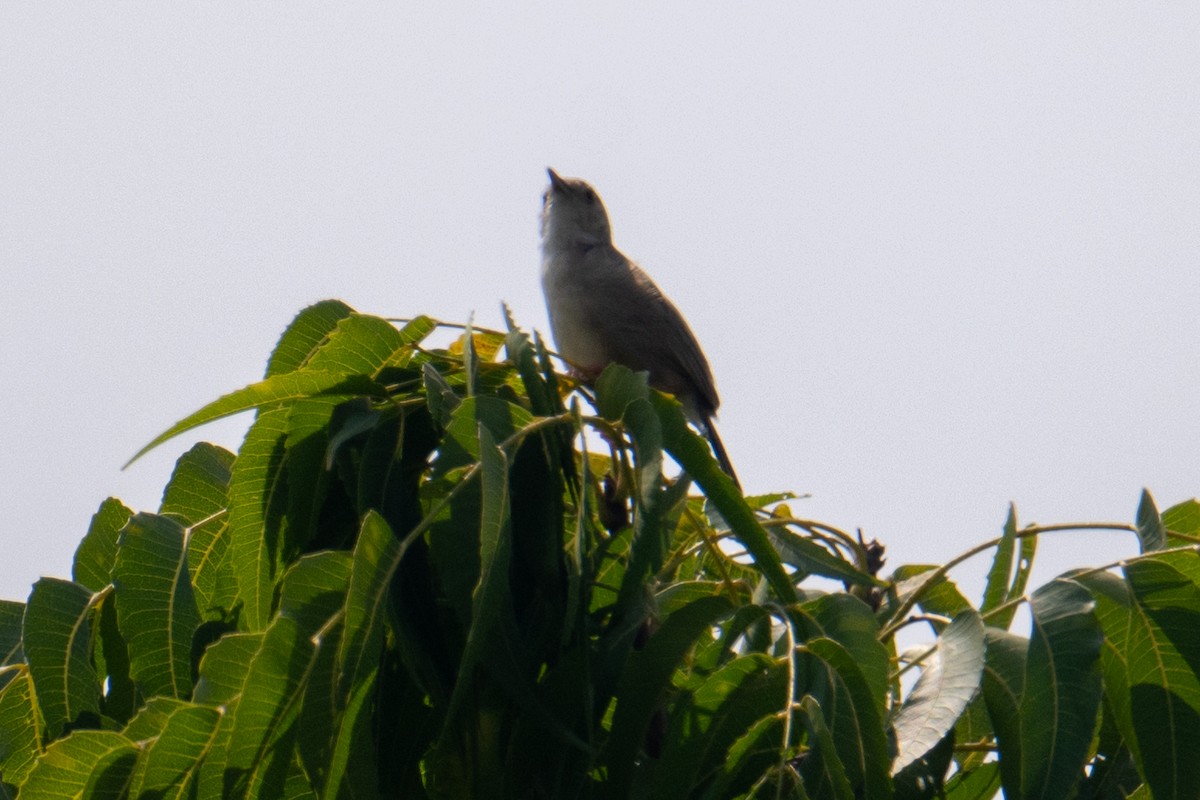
column 940, row 257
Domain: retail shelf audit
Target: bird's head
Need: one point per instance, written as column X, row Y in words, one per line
column 573, row 215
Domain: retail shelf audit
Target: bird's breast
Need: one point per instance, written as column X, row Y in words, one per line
column 573, row 305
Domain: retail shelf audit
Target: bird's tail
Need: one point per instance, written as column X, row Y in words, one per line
column 710, row 432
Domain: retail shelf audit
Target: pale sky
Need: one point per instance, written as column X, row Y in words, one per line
column 940, row 257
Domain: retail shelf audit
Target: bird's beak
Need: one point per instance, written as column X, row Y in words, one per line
column 556, row 180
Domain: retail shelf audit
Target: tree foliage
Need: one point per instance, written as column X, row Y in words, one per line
column 419, row 578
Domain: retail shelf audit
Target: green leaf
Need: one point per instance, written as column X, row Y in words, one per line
column 981, row 783
column 695, row 456
column 1062, row 690
column 938, row 594
column 98, row 550
column 1152, row 534
column 223, row 668
column 314, row 589
column 223, row 671
column 110, row 653
column 91, row 764
column 999, row 607
column 364, row 345
column 850, row 622
column 171, row 759
column 306, row 332
column 58, row 637
column 501, row 418
column 996, row 592
column 257, row 497
column 1163, row 657
column 283, row 388
column 1003, row 688
column 949, row 680
column 199, row 485
column 198, row 498
column 721, row 711
column 490, row 640
column 376, row 555
column 857, row 727
column 20, row 724
column 263, row 729
column 353, row 770
column 1183, row 517
column 11, row 615
column 823, row 773
column 156, row 609
column 646, row 677
column 815, row 559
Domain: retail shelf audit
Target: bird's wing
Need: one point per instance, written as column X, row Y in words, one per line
column 647, row 332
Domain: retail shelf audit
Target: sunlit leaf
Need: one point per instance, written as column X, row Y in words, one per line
column 948, row 681
column 20, row 724
column 58, row 636
column 97, row 551
column 1152, row 534
column 91, row 764
column 156, row 608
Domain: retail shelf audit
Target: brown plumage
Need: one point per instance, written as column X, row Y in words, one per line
column 605, row 309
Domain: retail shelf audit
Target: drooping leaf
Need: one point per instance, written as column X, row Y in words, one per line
column 719, row 712
column 1163, row 657
column 197, row 496
column 858, row 730
column 1003, row 688
column 91, row 764
column 949, row 680
column 306, row 332
column 57, row 633
column 646, row 678
column 262, row 732
column 823, row 773
column 257, row 499
column 281, row 388
column 376, row 554
column 156, row 608
column 97, row 551
column 20, row 724
column 1062, row 690
column 172, row 758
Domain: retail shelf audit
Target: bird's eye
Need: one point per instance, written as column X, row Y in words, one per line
column 590, row 197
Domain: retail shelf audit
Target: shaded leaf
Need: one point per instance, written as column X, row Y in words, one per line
column 1062, row 690
column 1003, row 688
column 1163, row 657
column 824, row 776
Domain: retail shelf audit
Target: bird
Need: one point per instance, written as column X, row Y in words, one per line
column 605, row 309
